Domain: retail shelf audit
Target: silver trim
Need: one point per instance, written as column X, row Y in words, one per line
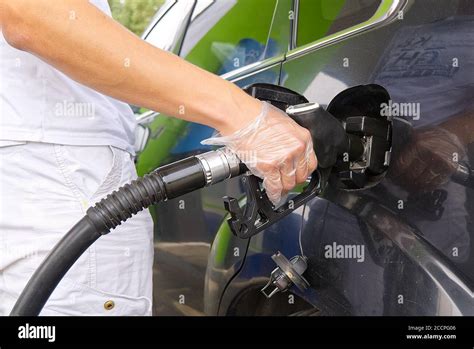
column 206, row 166
column 301, row 108
column 379, row 18
column 253, row 68
column 219, row 165
column 146, row 117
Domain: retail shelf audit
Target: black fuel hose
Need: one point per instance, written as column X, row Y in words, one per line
column 164, row 183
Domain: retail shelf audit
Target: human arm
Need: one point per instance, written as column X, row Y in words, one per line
column 78, row 39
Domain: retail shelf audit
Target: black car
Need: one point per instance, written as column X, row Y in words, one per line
column 392, row 242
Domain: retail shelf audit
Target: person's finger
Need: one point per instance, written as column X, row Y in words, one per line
column 312, row 163
column 307, row 161
column 287, row 174
column 273, row 186
column 306, row 167
column 301, row 170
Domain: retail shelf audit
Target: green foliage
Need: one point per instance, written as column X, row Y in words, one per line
column 135, row 14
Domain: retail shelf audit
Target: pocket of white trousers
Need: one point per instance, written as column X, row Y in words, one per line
column 73, row 299
column 90, row 171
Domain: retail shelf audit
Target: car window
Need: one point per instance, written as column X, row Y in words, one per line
column 320, row 18
column 280, row 31
column 168, row 31
column 227, row 35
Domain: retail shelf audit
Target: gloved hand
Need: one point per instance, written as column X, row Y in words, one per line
column 428, row 160
column 274, row 148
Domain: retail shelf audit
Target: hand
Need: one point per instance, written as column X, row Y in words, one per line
column 428, row 160
column 274, row 148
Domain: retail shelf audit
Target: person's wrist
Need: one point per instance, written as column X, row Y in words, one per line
column 241, row 112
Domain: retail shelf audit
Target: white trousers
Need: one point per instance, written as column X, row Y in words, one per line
column 44, row 190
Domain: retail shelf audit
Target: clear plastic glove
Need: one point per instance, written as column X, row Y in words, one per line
column 274, row 148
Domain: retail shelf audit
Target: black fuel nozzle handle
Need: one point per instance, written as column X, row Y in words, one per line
column 330, row 142
column 330, row 139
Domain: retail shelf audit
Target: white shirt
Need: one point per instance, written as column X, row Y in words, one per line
column 38, row 103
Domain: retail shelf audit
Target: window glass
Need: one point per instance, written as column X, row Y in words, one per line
column 168, row 32
column 227, row 35
column 280, row 31
column 320, row 18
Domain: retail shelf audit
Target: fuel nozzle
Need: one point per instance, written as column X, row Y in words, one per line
column 330, row 141
column 351, row 139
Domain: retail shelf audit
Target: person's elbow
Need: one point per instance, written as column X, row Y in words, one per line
column 14, row 25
